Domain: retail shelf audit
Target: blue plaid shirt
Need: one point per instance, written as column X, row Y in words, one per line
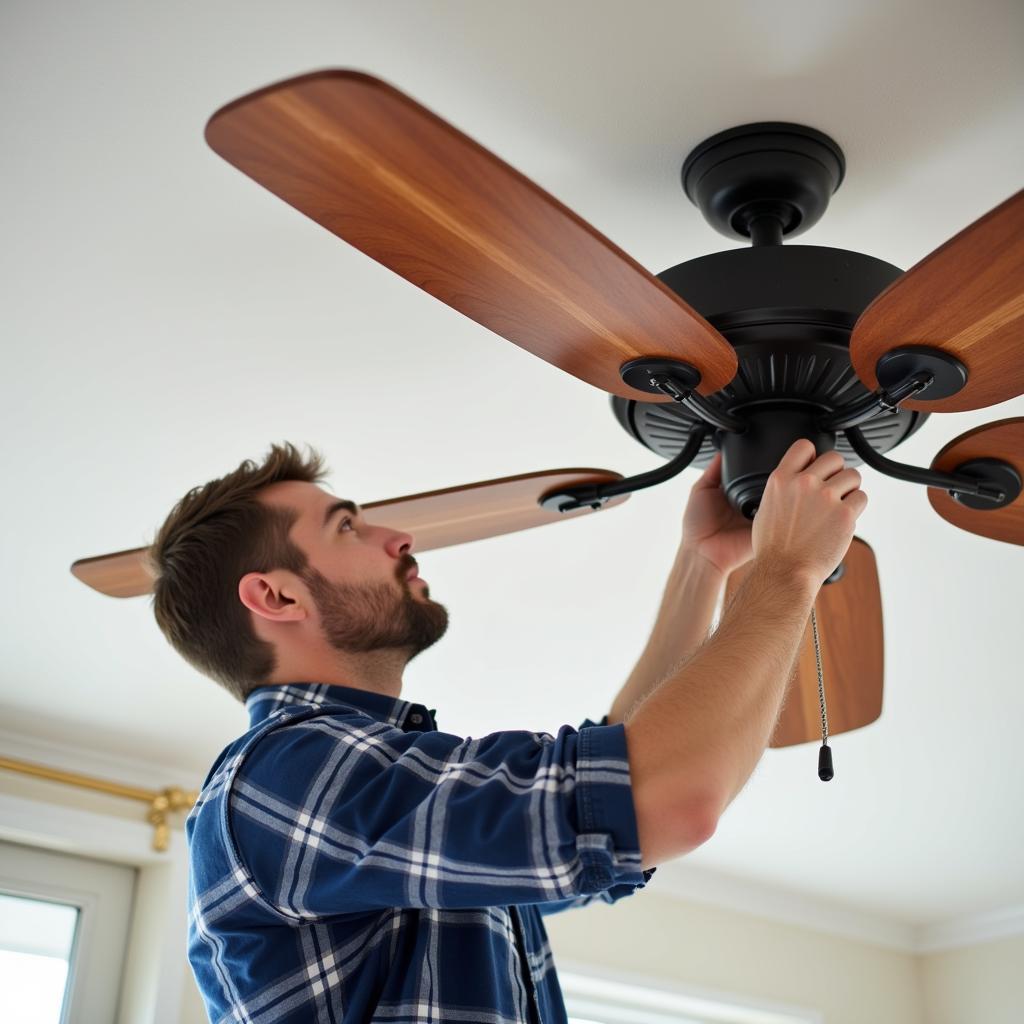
column 348, row 862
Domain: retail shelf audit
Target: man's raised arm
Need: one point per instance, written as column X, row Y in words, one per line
column 716, row 540
column 694, row 742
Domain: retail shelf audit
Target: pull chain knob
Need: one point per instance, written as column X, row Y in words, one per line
column 825, row 771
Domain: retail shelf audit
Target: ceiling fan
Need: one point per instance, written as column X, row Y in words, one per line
column 743, row 351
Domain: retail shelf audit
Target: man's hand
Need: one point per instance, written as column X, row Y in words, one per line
column 712, row 528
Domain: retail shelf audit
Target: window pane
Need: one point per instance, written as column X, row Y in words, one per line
column 36, row 938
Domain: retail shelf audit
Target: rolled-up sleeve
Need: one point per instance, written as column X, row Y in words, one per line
column 345, row 814
column 608, row 840
column 605, row 812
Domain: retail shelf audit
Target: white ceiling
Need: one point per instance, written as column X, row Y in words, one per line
column 164, row 318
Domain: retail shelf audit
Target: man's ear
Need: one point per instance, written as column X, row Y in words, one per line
column 272, row 596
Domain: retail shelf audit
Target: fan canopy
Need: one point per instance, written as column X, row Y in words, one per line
column 788, row 311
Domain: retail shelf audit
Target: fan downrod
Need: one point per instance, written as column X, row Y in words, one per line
column 764, row 181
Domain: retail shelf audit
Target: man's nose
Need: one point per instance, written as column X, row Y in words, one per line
column 399, row 543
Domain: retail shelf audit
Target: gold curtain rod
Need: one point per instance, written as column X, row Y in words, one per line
column 161, row 801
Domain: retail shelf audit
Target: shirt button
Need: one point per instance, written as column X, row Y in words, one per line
column 416, row 718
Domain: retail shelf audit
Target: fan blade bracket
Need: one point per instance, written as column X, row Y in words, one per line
column 995, row 453
column 568, row 499
column 903, row 373
column 999, row 481
column 886, row 399
column 949, row 375
column 679, row 382
column 660, row 376
column 991, row 483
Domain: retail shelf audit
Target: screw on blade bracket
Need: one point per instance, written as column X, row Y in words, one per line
column 655, row 375
column 949, row 375
column 1000, row 484
column 678, row 381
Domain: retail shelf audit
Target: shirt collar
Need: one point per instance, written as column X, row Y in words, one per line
column 404, row 715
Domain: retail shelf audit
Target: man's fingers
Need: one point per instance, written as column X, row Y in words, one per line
column 799, row 456
column 712, row 475
column 802, row 456
column 844, row 482
column 827, row 465
column 857, row 500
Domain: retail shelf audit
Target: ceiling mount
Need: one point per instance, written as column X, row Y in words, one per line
column 764, row 181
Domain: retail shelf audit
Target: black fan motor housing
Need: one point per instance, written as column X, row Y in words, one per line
column 788, row 311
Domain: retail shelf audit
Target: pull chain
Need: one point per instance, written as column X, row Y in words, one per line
column 825, row 772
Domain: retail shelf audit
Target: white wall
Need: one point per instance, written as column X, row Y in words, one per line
column 849, row 982
column 705, row 947
column 192, row 1010
column 979, row 983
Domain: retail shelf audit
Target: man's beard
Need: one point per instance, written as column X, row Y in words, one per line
column 374, row 617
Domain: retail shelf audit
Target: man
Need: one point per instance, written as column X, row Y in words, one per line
column 351, row 862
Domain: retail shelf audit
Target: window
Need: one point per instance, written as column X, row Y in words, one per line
column 36, row 937
column 63, row 928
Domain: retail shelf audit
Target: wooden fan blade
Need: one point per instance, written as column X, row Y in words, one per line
column 122, row 574
column 412, row 192
column 457, row 515
column 436, row 519
column 1002, row 440
column 967, row 299
column 849, row 614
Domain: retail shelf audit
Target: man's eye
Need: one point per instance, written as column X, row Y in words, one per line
column 344, row 523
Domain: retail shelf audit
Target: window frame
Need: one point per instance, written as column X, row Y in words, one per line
column 155, row 965
column 104, row 895
column 662, row 999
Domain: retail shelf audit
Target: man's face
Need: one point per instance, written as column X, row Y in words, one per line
column 362, row 578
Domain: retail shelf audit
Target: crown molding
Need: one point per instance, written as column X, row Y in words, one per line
column 972, row 930
column 82, row 833
column 90, row 761
column 788, row 906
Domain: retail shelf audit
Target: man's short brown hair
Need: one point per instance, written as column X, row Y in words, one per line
column 214, row 536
